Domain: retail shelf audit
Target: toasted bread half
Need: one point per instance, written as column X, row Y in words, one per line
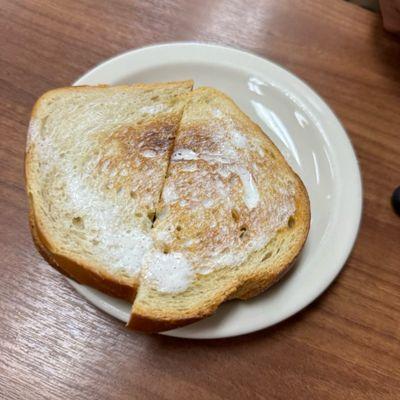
column 232, row 218
column 95, row 165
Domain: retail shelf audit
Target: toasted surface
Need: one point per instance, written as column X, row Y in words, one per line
column 232, row 217
column 95, row 166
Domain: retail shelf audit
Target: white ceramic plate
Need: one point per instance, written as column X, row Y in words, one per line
column 308, row 134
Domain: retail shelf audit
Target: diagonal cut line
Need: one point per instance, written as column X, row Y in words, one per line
column 170, row 150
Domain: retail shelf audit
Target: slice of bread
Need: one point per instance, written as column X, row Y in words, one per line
column 231, row 220
column 95, row 166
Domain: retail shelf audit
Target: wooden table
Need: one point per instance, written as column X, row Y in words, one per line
column 55, row 345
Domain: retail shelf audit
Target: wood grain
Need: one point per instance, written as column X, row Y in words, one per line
column 55, row 345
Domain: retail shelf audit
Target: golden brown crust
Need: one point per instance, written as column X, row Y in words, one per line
column 150, row 86
column 151, row 325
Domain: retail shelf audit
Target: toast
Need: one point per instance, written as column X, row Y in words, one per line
column 170, row 198
column 231, row 220
column 95, row 164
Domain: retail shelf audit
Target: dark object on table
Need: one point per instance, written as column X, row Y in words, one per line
column 390, row 10
column 396, row 200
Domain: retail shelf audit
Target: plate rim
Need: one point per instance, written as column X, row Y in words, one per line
column 98, row 298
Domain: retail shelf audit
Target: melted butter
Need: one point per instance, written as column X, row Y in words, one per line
column 184, row 154
column 238, row 139
column 208, row 203
column 217, row 113
column 251, row 195
column 153, row 109
column 169, row 273
column 149, row 153
column 169, row 194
